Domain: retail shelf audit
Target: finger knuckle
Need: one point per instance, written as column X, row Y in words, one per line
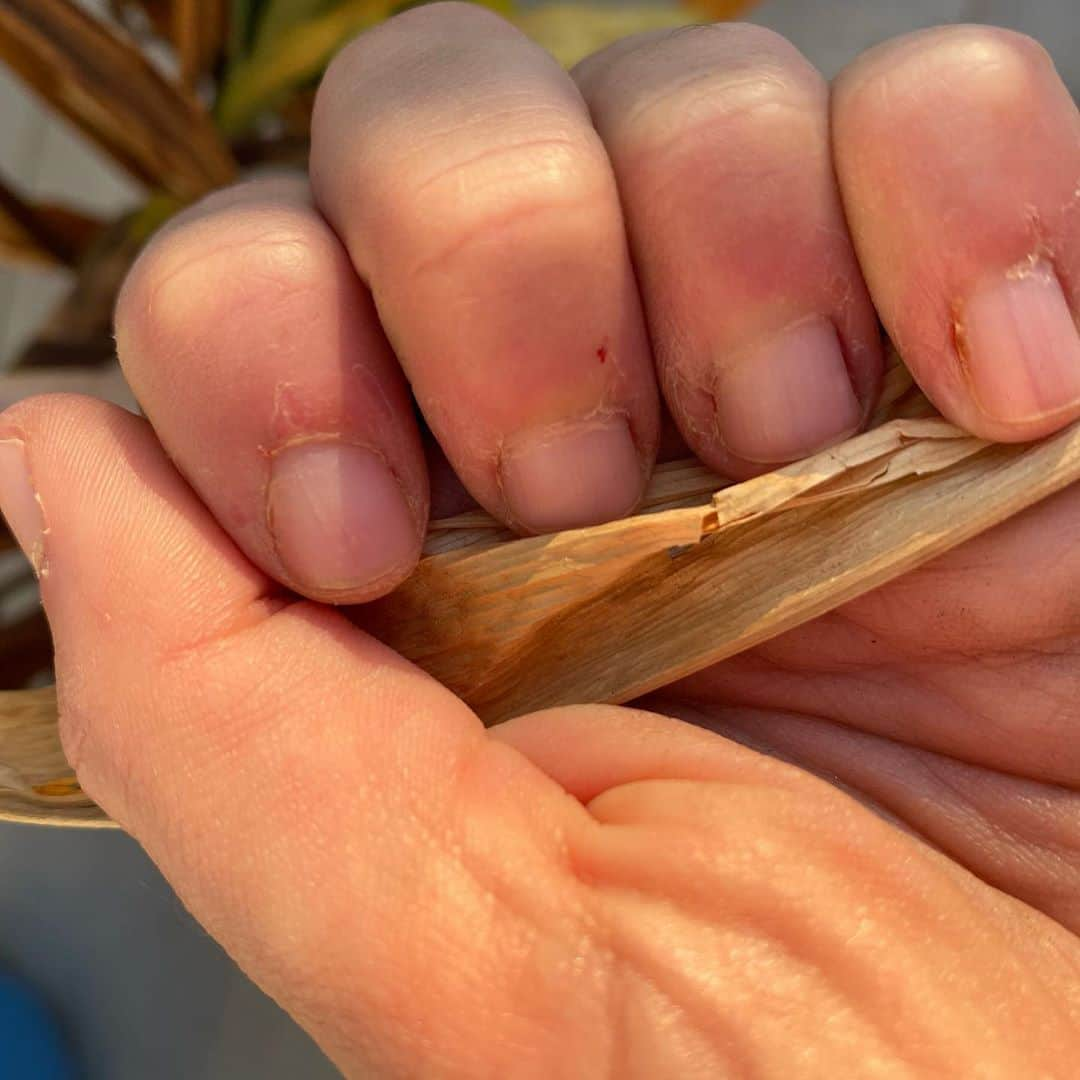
column 532, row 182
column 196, row 274
column 419, row 40
column 641, row 54
column 670, row 88
column 958, row 69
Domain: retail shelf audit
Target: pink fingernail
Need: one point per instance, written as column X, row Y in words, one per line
column 1020, row 349
column 788, row 397
column 571, row 475
column 20, row 503
column 339, row 518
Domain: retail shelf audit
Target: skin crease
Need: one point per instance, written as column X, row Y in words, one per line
column 854, row 851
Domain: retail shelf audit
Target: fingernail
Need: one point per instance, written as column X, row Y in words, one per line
column 572, row 475
column 787, row 398
column 338, row 516
column 1020, row 349
column 20, row 504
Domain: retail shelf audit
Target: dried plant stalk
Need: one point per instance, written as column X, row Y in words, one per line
column 608, row 613
column 78, row 331
column 40, row 233
column 199, row 30
column 36, row 784
column 100, row 81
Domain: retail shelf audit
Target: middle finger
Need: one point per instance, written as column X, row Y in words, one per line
column 457, row 162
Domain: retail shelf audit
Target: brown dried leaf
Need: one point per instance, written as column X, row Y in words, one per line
column 36, row 785
column 79, row 331
column 673, row 484
column 156, row 14
column 100, row 80
column 199, row 32
column 18, row 245
column 609, row 613
column 51, row 235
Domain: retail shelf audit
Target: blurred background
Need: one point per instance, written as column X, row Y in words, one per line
column 112, row 116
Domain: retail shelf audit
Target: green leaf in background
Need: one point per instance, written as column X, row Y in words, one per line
column 244, row 17
column 279, row 64
column 572, row 31
column 281, row 15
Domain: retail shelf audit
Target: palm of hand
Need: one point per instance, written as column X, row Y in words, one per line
column 597, row 889
column 726, row 884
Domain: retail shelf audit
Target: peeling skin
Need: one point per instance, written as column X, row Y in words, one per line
column 301, row 417
column 283, row 414
column 619, row 385
column 680, row 388
column 1036, row 263
column 37, row 550
column 297, row 409
column 959, row 342
column 1031, row 266
column 323, row 437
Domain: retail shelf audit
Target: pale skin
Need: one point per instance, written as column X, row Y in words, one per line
column 854, row 851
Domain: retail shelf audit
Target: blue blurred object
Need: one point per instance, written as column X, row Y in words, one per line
column 32, row 1045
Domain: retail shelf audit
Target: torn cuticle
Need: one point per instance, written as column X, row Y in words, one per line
column 319, row 437
column 1014, row 338
column 958, row 334
column 1038, row 263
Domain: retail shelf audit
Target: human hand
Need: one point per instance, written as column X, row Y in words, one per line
column 597, row 890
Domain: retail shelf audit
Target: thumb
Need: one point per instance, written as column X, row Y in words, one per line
column 328, row 811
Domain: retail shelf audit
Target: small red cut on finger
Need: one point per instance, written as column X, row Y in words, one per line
column 456, row 160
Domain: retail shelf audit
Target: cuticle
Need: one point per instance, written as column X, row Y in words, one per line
column 601, row 413
column 415, row 505
column 1039, row 260
column 866, row 406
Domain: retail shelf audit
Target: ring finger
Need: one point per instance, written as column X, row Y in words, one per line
column 766, row 341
